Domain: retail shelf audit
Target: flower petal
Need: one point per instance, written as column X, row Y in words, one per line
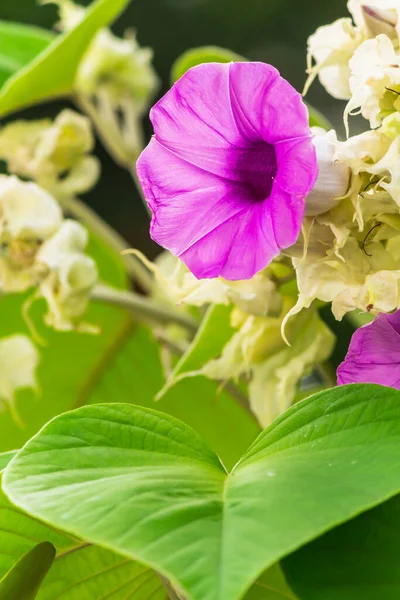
column 374, row 353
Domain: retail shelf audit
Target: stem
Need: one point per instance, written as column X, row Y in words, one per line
column 95, row 223
column 179, row 349
column 172, row 593
column 144, row 306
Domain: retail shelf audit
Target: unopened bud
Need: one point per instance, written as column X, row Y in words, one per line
column 333, row 177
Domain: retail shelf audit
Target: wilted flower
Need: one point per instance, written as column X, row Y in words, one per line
column 114, row 84
column 228, row 170
column 331, row 47
column 28, row 217
column 18, row 362
column 258, row 350
column 56, row 155
column 374, row 353
column 375, row 76
column 175, row 283
column 72, row 275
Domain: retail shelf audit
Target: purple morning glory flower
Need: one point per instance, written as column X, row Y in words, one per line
column 374, row 353
column 228, row 169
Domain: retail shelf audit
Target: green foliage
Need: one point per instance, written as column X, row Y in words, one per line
column 198, row 56
column 22, row 582
column 359, row 559
column 51, row 72
column 20, row 44
column 317, row 119
column 212, row 335
column 79, row 570
column 145, row 485
column 70, row 360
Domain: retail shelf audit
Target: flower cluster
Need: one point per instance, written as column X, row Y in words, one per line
column 238, row 185
column 114, row 84
column 40, row 249
column 55, row 154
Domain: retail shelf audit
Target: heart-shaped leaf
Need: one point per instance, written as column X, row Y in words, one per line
column 360, row 559
column 146, row 485
column 51, row 73
column 79, row 570
column 22, row 582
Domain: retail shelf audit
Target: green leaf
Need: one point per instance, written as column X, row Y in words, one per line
column 80, row 570
column 212, row 335
column 51, row 73
column 147, row 486
column 359, row 559
column 317, row 119
column 19, row 44
column 22, row 582
column 198, row 56
column 77, row 368
column 271, row 585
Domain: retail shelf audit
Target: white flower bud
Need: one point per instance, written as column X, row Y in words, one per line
column 333, row 177
column 379, row 20
column 71, row 278
column 27, row 212
column 18, row 362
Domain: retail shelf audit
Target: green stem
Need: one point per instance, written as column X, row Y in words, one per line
column 143, row 306
column 172, row 593
column 88, row 217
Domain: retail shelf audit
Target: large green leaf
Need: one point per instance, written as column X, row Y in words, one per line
column 51, row 73
column 22, row 582
column 358, row 560
column 212, row 335
column 147, row 486
column 19, row 45
column 79, row 571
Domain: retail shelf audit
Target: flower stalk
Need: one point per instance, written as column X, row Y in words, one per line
column 143, row 306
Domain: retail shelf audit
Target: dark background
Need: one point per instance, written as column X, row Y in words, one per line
column 274, row 31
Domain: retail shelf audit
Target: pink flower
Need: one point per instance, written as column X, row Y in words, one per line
column 374, row 353
column 228, row 169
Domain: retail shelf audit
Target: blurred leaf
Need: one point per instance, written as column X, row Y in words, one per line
column 51, row 73
column 144, row 484
column 19, row 44
column 360, row 559
column 198, row 56
column 23, row 581
column 212, row 335
column 317, row 119
column 80, row 570
column 69, row 361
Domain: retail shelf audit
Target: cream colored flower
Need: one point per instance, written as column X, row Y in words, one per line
column 72, row 276
column 18, row 363
column 28, row 217
column 54, row 154
column 375, row 76
column 331, row 47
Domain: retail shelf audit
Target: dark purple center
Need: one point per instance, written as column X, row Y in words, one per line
column 256, row 168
